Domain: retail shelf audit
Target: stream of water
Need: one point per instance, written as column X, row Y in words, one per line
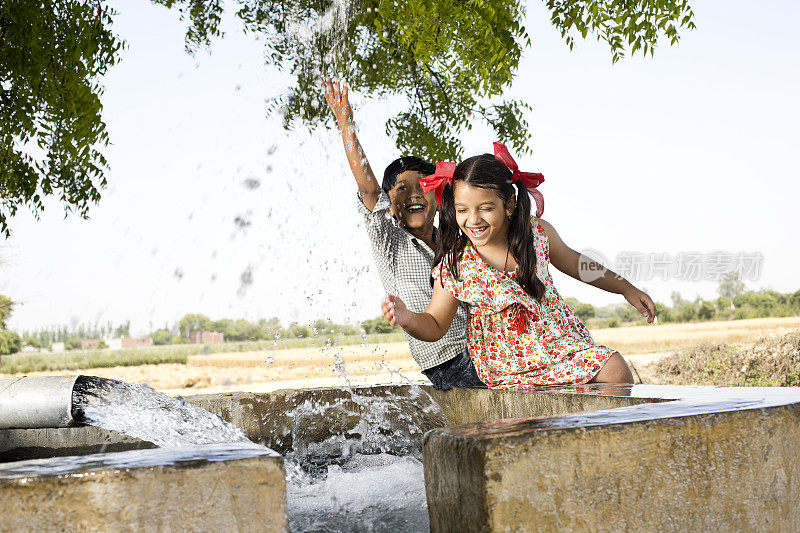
column 141, row 412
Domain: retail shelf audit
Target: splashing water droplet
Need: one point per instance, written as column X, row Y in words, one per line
column 252, row 183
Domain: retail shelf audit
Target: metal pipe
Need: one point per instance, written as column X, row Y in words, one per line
column 36, row 402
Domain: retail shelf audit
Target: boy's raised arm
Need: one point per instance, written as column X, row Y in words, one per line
column 337, row 100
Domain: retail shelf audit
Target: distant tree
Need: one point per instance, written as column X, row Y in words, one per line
column 161, row 337
column 324, row 327
column 730, row 286
column 687, row 312
column 723, row 303
column 628, row 313
column 123, row 330
column 794, row 300
column 72, row 343
column 193, row 322
column 242, row 330
column 177, row 339
column 102, row 345
column 270, row 328
column 222, row 326
column 706, row 311
column 585, row 311
column 664, row 313
column 382, row 326
column 10, row 342
column 33, row 342
column 6, row 308
column 755, row 305
column 677, row 300
column 299, row 332
column 349, row 330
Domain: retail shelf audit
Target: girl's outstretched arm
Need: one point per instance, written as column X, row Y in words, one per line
column 570, row 262
column 429, row 326
column 337, row 98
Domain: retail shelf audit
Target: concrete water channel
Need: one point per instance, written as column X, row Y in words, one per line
column 579, row 458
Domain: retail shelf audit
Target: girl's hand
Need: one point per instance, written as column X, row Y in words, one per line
column 395, row 311
column 642, row 302
column 338, row 101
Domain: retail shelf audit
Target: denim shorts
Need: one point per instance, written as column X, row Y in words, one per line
column 457, row 372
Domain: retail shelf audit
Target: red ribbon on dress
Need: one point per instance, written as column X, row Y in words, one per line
column 440, row 178
column 531, row 179
column 522, row 320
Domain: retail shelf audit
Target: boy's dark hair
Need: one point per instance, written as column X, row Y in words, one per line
column 486, row 172
column 402, row 164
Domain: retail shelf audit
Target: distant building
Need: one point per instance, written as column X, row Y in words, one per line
column 90, row 344
column 114, row 344
column 143, row 342
column 57, row 347
column 206, row 337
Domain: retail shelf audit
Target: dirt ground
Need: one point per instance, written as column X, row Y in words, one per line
column 642, row 346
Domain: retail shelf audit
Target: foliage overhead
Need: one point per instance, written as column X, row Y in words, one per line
column 52, row 56
column 452, row 61
column 624, row 26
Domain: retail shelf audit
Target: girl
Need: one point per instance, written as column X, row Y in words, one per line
column 494, row 257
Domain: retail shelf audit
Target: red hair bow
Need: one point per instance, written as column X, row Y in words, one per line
column 440, row 178
column 531, row 179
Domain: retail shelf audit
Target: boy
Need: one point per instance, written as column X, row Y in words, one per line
column 399, row 219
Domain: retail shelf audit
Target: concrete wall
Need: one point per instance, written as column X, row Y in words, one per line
column 509, row 460
column 727, row 471
column 235, row 492
column 465, row 406
column 24, row 444
column 272, row 418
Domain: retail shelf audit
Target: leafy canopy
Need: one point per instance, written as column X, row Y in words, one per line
column 52, row 56
column 452, row 60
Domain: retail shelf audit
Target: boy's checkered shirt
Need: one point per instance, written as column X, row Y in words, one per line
column 404, row 265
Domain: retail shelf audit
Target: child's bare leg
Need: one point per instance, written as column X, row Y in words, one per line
column 614, row 371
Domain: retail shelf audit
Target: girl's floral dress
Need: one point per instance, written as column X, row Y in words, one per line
column 515, row 341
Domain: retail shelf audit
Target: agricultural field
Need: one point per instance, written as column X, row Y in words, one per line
column 263, row 366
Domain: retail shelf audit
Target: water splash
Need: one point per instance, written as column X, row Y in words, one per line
column 141, row 412
column 329, row 26
column 367, row 493
column 356, row 461
column 333, row 20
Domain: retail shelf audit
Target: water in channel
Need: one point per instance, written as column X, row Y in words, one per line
column 363, row 475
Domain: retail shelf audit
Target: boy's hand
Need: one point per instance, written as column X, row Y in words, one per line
column 395, row 311
column 642, row 302
column 338, row 101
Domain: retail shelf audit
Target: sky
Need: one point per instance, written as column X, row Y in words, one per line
column 689, row 154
